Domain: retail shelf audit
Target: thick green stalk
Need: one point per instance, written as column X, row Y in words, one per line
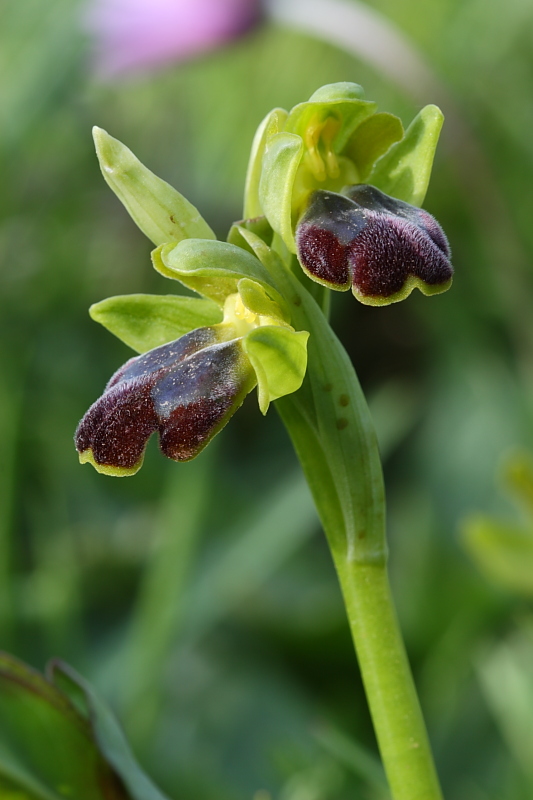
column 330, row 426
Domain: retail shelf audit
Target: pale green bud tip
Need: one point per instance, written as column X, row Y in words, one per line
column 160, row 211
column 110, row 151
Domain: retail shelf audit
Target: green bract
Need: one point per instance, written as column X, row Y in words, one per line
column 336, row 139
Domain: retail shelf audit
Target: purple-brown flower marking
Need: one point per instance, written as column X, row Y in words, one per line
column 186, row 390
column 382, row 247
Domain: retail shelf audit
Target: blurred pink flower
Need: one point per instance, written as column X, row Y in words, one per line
column 135, row 35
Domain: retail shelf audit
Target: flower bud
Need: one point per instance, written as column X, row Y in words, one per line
column 382, row 247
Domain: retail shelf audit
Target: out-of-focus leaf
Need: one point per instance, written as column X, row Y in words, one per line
column 47, row 750
column 145, row 321
column 517, row 475
column 503, row 551
column 507, row 681
column 106, row 731
column 58, row 739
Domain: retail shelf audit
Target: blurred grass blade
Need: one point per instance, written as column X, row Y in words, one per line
column 157, row 618
column 353, row 756
column 286, row 519
column 507, row 682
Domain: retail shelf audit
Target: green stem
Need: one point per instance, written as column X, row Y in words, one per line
column 330, row 426
column 389, row 686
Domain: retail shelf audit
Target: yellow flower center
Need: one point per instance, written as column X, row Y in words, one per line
column 318, row 141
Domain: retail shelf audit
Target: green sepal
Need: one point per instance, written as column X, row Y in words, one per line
column 279, row 358
column 371, row 140
column 212, row 269
column 145, row 321
column 404, row 171
column 256, row 300
column 337, row 92
column 340, row 100
column 161, row 212
column 280, row 165
column 272, row 124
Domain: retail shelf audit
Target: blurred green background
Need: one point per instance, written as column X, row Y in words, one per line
column 200, row 598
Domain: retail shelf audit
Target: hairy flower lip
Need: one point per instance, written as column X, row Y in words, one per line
column 381, row 247
column 186, row 390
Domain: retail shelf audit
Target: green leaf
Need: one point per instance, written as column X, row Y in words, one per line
column 272, row 124
column 107, row 732
column 404, row 171
column 47, row 750
column 212, row 269
column 256, row 300
column 371, row 140
column 279, row 358
column 502, row 551
column 280, row 164
column 145, row 321
column 160, row 211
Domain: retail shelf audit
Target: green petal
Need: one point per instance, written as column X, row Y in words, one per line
column 256, row 300
column 212, row 269
column 145, row 321
column 279, row 358
column 371, row 140
column 342, row 100
column 272, row 124
column 280, row 164
column 161, row 212
column 404, row 171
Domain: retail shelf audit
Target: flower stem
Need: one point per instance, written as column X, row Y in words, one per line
column 389, row 686
column 330, row 426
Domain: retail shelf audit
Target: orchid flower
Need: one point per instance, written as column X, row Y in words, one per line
column 135, row 35
column 200, row 356
column 341, row 184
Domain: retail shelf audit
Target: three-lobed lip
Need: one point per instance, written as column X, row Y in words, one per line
column 186, row 390
column 380, row 247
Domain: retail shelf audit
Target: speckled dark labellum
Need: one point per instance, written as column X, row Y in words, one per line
column 382, row 247
column 186, row 390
